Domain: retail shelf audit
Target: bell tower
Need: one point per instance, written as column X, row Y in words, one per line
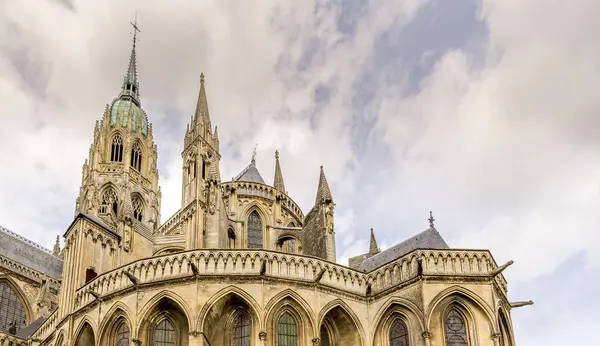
column 119, row 182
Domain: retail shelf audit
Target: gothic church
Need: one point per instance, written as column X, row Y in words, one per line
column 240, row 264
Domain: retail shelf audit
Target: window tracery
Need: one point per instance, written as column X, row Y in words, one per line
column 398, row 333
column 255, row 238
column 289, row 245
column 116, row 148
column 12, row 312
column 456, row 329
column 136, row 156
column 287, row 331
column 138, row 208
column 241, row 329
column 122, row 335
column 164, row 333
column 110, row 202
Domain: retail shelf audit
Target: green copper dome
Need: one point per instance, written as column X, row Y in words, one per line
column 125, row 111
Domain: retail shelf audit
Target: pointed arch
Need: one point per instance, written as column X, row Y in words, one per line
column 223, row 293
column 290, row 303
column 505, row 328
column 454, row 292
column 136, row 156
column 398, row 310
column 146, row 310
column 116, row 147
column 165, row 317
column 138, row 205
column 85, row 333
column 255, row 230
column 109, row 199
column 118, row 314
column 12, row 295
column 60, row 340
column 342, row 322
column 229, row 310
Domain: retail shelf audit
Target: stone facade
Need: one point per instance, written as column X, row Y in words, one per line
column 238, row 264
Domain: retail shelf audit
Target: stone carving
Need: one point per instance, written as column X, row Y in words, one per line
column 329, row 218
column 30, row 291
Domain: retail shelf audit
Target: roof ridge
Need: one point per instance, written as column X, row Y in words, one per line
column 25, row 240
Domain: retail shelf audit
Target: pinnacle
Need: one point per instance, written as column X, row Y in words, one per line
column 323, row 191
column 278, row 182
column 202, row 106
column 373, row 248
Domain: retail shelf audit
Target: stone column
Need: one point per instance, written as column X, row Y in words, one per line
column 426, row 336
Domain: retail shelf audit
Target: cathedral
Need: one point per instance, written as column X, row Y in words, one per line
column 239, row 264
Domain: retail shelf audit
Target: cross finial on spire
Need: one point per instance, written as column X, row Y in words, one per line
column 254, row 154
column 202, row 77
column 276, row 154
column 431, row 220
column 135, row 29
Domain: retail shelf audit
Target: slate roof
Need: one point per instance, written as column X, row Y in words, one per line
column 428, row 239
column 251, row 174
column 26, row 332
column 29, row 253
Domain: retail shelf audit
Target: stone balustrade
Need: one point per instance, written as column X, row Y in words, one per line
column 27, row 272
column 244, row 188
column 176, row 219
column 47, row 328
column 299, row 268
column 11, row 340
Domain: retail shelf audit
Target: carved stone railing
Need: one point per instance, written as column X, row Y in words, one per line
column 11, row 340
column 175, row 220
column 47, row 328
column 244, row 188
column 27, row 272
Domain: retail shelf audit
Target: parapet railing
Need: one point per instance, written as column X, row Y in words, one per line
column 245, row 188
column 300, row 268
column 11, row 340
column 47, row 328
column 27, row 272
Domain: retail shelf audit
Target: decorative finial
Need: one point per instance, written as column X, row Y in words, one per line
column 202, row 77
column 254, row 154
column 135, row 29
column 431, row 220
column 56, row 250
column 277, row 154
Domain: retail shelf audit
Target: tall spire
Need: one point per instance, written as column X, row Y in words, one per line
column 201, row 113
column 373, row 248
column 323, row 191
column 278, row 183
column 131, row 87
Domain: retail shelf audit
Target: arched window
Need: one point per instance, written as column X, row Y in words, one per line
column 289, row 245
column 287, row 331
column 122, row 335
column 231, row 238
column 255, row 238
column 90, row 274
column 136, row 156
column 12, row 313
column 164, row 333
column 241, row 329
column 110, row 202
column 116, row 148
column 138, row 208
column 456, row 329
column 398, row 333
column 325, row 337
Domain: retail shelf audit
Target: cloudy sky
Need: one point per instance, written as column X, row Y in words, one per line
column 486, row 112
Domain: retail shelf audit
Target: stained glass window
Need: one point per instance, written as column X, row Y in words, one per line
column 241, row 330
column 164, row 334
column 287, row 331
column 136, row 156
column 255, row 239
column 456, row 329
column 122, row 335
column 12, row 313
column 116, row 149
column 398, row 333
column 325, row 340
column 138, row 208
